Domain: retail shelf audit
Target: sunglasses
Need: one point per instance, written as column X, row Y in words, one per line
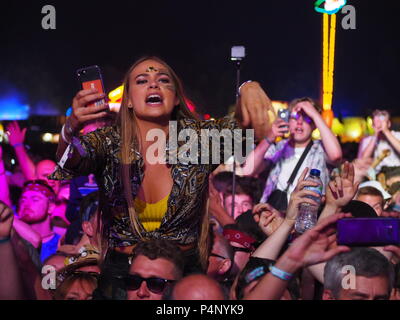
column 296, row 116
column 155, row 285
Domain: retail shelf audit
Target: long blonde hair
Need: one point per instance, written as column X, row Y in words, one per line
column 127, row 123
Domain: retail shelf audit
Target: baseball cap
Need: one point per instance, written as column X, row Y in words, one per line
column 376, row 185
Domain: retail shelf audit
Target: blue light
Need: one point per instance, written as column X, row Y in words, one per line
column 11, row 108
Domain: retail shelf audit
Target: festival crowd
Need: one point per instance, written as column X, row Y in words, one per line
column 102, row 221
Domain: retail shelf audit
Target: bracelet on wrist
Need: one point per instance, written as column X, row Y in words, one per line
column 283, row 275
column 63, row 136
column 5, row 240
column 269, row 141
column 17, row 145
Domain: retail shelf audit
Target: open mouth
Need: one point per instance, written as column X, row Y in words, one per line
column 299, row 130
column 154, row 99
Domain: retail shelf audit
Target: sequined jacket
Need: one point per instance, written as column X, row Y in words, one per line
column 186, row 204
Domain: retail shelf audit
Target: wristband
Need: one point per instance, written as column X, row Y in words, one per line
column 238, row 93
column 63, row 135
column 18, row 145
column 5, row 240
column 269, row 141
column 283, row 275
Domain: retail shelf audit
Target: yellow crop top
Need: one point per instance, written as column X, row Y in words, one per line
column 151, row 214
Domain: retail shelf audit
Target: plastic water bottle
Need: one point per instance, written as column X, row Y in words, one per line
column 308, row 213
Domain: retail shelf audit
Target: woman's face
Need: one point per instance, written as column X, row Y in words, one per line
column 152, row 92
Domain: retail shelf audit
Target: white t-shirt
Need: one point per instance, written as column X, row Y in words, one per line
column 288, row 165
column 393, row 160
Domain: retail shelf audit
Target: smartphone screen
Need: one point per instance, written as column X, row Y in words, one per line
column 90, row 78
column 368, row 231
column 284, row 114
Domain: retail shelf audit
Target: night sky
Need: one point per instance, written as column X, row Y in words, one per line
column 282, row 38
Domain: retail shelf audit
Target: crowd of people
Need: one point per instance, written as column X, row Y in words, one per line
column 103, row 221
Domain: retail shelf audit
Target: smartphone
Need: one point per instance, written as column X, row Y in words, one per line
column 370, row 232
column 90, row 78
column 284, row 114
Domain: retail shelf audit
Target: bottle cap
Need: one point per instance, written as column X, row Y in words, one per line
column 315, row 172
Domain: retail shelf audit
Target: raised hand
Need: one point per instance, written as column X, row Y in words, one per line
column 253, row 109
column 343, row 188
column 16, row 136
column 298, row 196
column 82, row 113
column 268, row 218
column 6, row 220
column 315, row 245
column 307, row 108
column 278, row 129
column 215, row 206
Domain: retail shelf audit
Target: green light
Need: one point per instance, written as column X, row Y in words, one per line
column 340, row 4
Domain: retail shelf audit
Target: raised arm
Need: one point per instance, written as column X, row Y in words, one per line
column 273, row 245
column 340, row 192
column 216, row 208
column 313, row 247
column 81, row 114
column 255, row 162
column 10, row 278
column 367, row 148
column 394, row 142
column 26, row 232
column 252, row 109
column 5, row 191
column 329, row 140
column 16, row 137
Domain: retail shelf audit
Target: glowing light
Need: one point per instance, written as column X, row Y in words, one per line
column 354, row 129
column 316, row 135
column 56, row 138
column 11, row 108
column 190, row 104
column 337, row 127
column 330, row 6
column 116, row 94
column 69, row 112
column 328, row 59
column 114, row 106
column 207, row 117
column 47, row 137
column 12, row 161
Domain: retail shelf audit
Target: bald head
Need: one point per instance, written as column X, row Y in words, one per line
column 43, row 169
column 197, row 287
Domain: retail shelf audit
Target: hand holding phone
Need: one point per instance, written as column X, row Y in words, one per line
column 284, row 114
column 89, row 104
column 90, row 78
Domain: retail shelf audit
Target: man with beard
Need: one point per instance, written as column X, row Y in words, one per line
column 33, row 221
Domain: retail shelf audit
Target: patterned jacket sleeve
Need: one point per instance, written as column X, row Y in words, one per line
column 95, row 145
